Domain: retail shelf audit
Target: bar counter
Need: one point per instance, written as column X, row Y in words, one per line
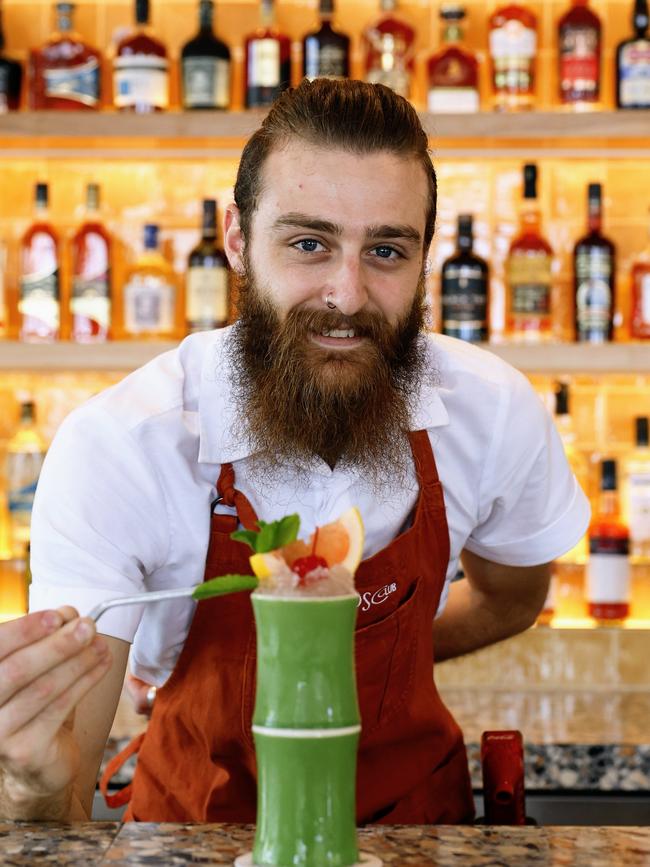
column 86, row 844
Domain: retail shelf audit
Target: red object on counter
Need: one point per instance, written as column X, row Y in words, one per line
column 502, row 760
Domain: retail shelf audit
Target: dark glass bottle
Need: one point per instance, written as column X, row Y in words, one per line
column 207, row 295
column 633, row 63
column 464, row 288
column 141, row 68
column 579, row 55
column 267, row 67
column 594, row 273
column 11, row 77
column 90, row 302
column 205, row 66
column 326, row 52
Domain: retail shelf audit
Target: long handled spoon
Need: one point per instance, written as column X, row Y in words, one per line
column 214, row 587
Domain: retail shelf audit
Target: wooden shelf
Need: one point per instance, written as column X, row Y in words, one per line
column 557, row 358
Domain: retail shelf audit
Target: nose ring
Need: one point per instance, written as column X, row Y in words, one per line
column 329, row 302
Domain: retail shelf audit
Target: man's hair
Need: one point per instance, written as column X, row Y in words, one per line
column 350, row 115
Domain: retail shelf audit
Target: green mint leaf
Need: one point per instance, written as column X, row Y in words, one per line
column 287, row 530
column 266, row 539
column 224, row 584
column 271, row 535
column 248, row 537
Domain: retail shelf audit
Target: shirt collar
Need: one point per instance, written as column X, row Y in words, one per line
column 223, row 434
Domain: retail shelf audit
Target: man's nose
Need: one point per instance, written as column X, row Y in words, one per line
column 349, row 291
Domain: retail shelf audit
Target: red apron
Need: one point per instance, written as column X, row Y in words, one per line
column 196, row 761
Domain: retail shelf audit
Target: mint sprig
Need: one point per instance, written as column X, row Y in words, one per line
column 224, row 584
column 270, row 536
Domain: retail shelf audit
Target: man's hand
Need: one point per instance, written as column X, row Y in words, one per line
column 141, row 693
column 49, row 661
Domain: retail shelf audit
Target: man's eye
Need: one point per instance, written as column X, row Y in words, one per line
column 308, row 245
column 384, row 251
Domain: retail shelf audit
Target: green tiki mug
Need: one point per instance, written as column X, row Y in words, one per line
column 306, row 727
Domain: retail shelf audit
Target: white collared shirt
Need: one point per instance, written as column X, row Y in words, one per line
column 123, row 502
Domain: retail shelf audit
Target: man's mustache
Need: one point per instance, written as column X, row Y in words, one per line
column 364, row 323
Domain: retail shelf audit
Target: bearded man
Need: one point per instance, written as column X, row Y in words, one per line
column 326, row 394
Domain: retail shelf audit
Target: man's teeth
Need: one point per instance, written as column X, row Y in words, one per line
column 341, row 332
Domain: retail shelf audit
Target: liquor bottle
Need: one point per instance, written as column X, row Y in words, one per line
column 39, row 306
column 65, row 73
column 150, row 294
column 267, row 67
column 513, row 48
column 141, row 68
column 640, row 319
column 633, row 63
column 608, row 567
column 464, row 288
column 326, row 52
column 528, row 271
column 389, row 50
column 207, row 296
column 11, row 77
column 25, row 454
column 452, row 71
column 90, row 303
column 636, row 491
column 579, row 55
column 594, row 272
column 205, row 66
column 576, row 459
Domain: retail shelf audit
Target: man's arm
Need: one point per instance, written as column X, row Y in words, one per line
column 493, row 603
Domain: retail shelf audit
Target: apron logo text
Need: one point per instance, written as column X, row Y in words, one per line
column 368, row 599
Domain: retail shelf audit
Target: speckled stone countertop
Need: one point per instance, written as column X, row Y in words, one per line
column 93, row 843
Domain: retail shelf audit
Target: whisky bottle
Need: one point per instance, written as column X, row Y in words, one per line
column 528, row 271
column 579, row 55
column 594, row 273
column 633, row 63
column 326, row 52
column 149, row 294
column 267, row 64
column 636, row 491
column 11, row 77
column 452, row 71
column 65, row 73
column 207, row 294
column 90, row 302
column 576, row 459
column 513, row 49
column 23, row 463
column 389, row 50
column 205, row 66
column 464, row 288
column 39, row 287
column 141, row 68
column 608, row 567
column 640, row 319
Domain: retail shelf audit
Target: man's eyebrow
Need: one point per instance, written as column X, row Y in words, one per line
column 406, row 233
column 296, row 220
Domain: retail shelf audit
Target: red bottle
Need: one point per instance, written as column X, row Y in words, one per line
column 141, row 68
column 502, row 763
column 39, row 305
column 90, row 303
column 579, row 54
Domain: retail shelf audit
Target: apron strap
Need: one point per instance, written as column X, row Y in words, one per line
column 425, row 462
column 228, row 494
column 123, row 796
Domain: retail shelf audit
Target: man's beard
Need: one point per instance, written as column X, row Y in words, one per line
column 350, row 407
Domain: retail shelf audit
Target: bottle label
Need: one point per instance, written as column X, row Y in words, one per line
column 21, row 499
column 39, row 300
column 594, row 294
column 149, row 305
column 206, row 82
column 464, row 302
column 639, row 506
column 91, row 301
column 608, row 577
column 512, row 48
column 325, row 61
column 264, row 63
column 634, row 74
column 76, row 83
column 453, row 99
column 644, row 295
column 141, row 79
column 207, row 297
column 579, row 62
column 529, row 278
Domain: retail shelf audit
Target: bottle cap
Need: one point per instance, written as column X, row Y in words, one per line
column 142, row 11
column 561, row 398
column 595, row 192
column 41, row 195
column 151, row 236
column 452, row 12
column 608, row 475
column 27, row 410
column 530, row 181
column 640, row 18
column 65, row 8
column 465, row 231
column 641, row 425
column 326, row 7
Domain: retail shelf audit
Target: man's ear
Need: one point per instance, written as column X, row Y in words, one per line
column 233, row 239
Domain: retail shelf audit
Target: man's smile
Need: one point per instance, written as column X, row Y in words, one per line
column 337, row 338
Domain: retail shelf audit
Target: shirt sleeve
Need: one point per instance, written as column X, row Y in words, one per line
column 531, row 507
column 99, row 523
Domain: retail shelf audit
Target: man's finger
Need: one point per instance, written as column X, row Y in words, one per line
column 24, row 631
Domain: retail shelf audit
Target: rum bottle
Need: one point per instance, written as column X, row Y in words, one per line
column 464, row 288
column 11, row 76
column 640, row 319
column 39, row 287
column 389, row 50
column 65, row 73
column 513, row 49
column 608, row 567
column 594, row 272
column 205, row 66
column 207, row 294
column 267, row 64
column 326, row 52
column 452, row 71
column 528, row 271
column 633, row 63
column 149, row 294
column 636, row 491
column 579, row 55
column 90, row 302
column 141, row 68
column 25, row 455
